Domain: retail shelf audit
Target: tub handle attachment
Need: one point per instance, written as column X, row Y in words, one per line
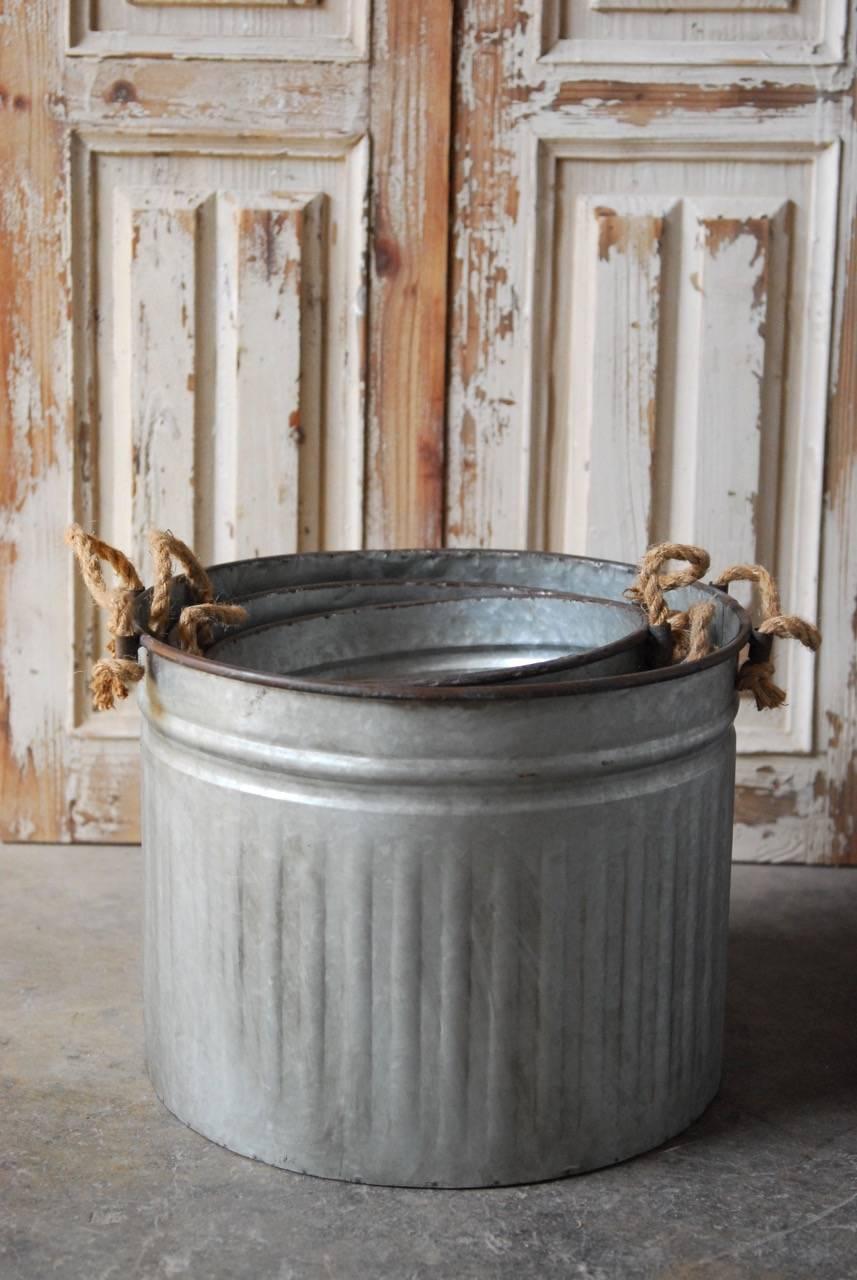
column 112, row 677
column 676, row 635
column 689, row 628
column 195, row 619
column 756, row 674
column 659, row 648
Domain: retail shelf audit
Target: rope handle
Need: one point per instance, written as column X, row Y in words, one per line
column 684, row 632
column 112, row 677
column 689, row 628
column 687, row 639
column 195, row 620
column 756, row 675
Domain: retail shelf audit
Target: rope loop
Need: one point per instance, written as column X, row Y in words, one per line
column 651, row 584
column 195, row 623
column 166, row 547
column 689, row 627
column 113, row 676
column 756, row 675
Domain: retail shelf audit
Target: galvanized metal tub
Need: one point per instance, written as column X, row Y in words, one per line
column 485, row 636
column 248, row 580
column 282, row 602
column 467, row 938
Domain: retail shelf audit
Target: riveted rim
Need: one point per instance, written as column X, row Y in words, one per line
column 463, row 693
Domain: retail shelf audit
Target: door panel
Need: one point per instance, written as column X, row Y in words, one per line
column 281, row 29
column 693, row 32
column 689, row 366
column 644, row 305
column 208, row 297
column 225, row 347
column 240, row 298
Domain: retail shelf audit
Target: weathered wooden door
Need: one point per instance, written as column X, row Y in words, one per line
column 211, row 208
column 651, row 334
column 193, row 330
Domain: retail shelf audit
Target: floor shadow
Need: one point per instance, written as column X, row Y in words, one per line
column 791, row 1020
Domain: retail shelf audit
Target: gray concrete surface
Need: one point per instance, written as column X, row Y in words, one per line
column 97, row 1180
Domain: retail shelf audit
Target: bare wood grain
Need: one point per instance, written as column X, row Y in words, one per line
column 34, row 428
column 410, row 113
column 836, row 780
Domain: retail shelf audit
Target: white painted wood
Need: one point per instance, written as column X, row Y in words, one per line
column 287, row 30
column 207, row 4
column 270, row 433
column 669, row 6
column 733, row 357
column 164, row 124
column 686, row 113
column 225, row 371
column 260, row 371
column 725, row 485
column 613, row 334
column 492, row 469
column 617, row 32
column 158, row 372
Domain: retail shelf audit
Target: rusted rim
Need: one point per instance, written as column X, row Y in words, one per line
column 464, row 693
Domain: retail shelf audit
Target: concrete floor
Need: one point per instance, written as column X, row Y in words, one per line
column 98, row 1180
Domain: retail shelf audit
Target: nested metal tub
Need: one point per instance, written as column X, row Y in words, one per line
column 470, row 937
column 485, row 637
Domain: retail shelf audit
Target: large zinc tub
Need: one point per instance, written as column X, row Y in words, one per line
column 468, row 937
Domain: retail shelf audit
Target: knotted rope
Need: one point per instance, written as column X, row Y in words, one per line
column 698, row 639
column 112, row 677
column 689, row 627
column 757, row 673
column 165, row 548
column 195, row 619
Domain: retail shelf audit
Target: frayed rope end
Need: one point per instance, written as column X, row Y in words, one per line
column 757, row 678
column 111, row 681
